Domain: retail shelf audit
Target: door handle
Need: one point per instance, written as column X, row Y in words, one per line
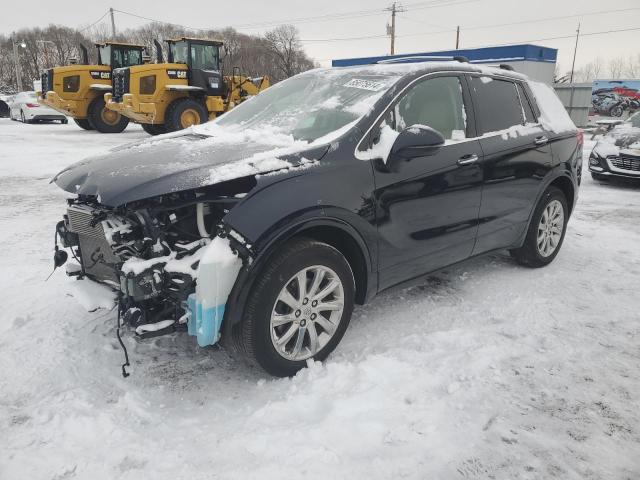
column 541, row 140
column 468, row 159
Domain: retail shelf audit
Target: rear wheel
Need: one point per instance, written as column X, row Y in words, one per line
column 546, row 231
column 104, row 120
column 83, row 123
column 153, row 129
column 184, row 113
column 22, row 117
column 298, row 308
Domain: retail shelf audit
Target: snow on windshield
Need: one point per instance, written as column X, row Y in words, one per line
column 311, row 105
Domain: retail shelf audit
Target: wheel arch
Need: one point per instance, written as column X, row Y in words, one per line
column 335, row 232
column 565, row 184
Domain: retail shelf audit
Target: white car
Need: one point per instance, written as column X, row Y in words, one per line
column 25, row 107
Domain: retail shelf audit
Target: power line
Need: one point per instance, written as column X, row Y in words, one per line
column 572, row 36
column 317, row 18
column 478, row 27
column 94, row 23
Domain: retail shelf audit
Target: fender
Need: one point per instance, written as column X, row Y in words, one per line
column 317, row 218
column 553, row 175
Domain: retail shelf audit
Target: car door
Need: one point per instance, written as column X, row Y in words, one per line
column 427, row 207
column 517, row 156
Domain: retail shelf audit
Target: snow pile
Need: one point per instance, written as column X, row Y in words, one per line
column 553, row 115
column 485, row 370
column 91, row 295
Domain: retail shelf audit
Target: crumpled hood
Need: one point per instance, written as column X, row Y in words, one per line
column 182, row 161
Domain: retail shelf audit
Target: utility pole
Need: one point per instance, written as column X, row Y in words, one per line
column 457, row 37
column 575, row 51
column 17, row 64
column 113, row 25
column 391, row 29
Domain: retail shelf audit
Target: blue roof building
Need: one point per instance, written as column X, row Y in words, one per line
column 533, row 60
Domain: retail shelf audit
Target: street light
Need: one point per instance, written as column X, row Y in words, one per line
column 17, row 63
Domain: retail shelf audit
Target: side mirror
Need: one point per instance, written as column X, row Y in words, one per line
column 416, row 141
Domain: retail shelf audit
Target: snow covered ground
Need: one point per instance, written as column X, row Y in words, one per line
column 487, row 370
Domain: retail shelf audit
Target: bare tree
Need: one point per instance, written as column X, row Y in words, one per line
column 283, row 45
column 616, row 67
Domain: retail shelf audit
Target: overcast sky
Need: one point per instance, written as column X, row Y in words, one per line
column 423, row 26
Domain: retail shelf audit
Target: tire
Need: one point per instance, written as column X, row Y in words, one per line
column 83, row 123
column 598, row 177
column 153, row 129
column 530, row 255
column 253, row 338
column 183, row 113
column 22, row 117
column 616, row 111
column 104, row 120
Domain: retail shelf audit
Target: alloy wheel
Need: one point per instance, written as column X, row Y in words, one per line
column 550, row 228
column 307, row 313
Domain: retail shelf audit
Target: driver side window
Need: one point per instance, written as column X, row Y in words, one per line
column 436, row 103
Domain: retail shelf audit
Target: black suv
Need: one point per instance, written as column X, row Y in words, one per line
column 265, row 226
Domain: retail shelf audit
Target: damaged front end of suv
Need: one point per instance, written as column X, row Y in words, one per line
column 154, row 230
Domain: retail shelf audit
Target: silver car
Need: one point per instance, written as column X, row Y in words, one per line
column 25, row 107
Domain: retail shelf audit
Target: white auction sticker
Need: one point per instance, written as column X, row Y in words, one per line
column 364, row 84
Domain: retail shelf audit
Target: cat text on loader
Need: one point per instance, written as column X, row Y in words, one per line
column 78, row 90
column 188, row 90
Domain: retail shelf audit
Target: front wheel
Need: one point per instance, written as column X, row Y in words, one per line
column 298, row 308
column 546, row 231
column 83, row 123
column 184, row 113
column 616, row 111
column 104, row 120
column 153, row 129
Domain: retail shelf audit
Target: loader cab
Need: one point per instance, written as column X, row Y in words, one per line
column 202, row 58
column 118, row 55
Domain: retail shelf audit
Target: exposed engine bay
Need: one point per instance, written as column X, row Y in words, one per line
column 152, row 253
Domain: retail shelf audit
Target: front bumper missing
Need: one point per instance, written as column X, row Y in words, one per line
column 141, row 112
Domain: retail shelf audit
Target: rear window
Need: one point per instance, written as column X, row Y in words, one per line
column 498, row 104
column 529, row 116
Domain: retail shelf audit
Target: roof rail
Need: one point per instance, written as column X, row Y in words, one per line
column 504, row 66
column 422, row 58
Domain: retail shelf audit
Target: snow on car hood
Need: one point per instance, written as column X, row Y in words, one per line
column 623, row 138
column 186, row 160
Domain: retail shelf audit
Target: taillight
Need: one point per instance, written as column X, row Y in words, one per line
column 32, row 105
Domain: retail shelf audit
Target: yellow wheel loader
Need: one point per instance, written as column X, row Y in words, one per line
column 78, row 90
column 188, row 90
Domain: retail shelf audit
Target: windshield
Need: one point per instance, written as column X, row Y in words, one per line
column 204, row 57
column 123, row 57
column 179, row 52
column 313, row 104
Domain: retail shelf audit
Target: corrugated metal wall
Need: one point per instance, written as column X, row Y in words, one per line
column 576, row 98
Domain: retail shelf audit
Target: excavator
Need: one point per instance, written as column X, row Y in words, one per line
column 77, row 90
column 187, row 90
